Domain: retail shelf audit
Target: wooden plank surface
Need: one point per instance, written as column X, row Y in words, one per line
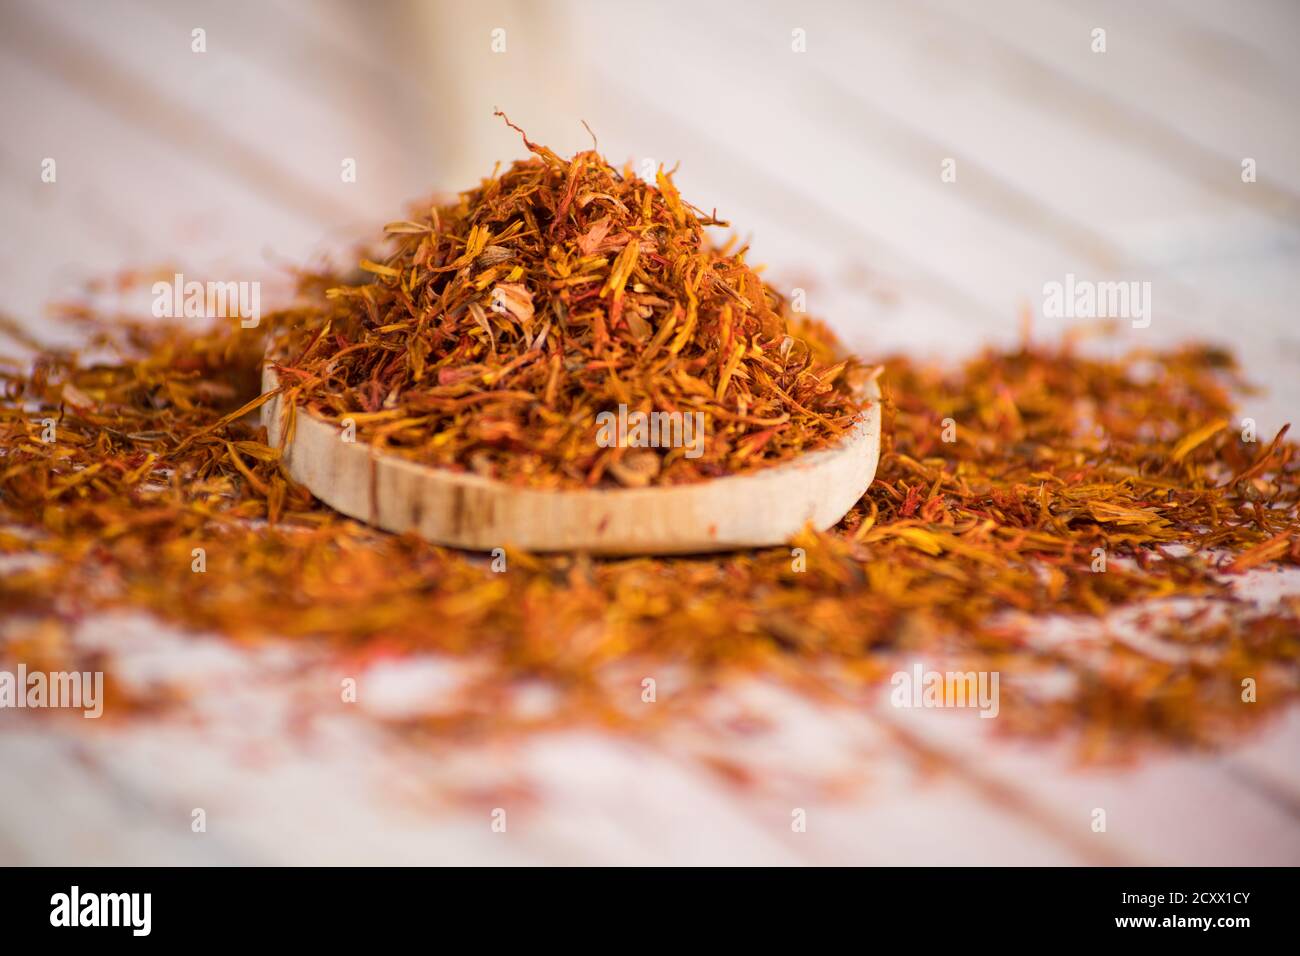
column 1119, row 164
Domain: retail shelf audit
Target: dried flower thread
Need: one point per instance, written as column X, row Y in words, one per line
column 500, row 327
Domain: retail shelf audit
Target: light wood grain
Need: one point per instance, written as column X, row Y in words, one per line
column 759, row 509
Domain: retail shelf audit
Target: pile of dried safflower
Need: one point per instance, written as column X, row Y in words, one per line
column 112, row 470
column 500, row 327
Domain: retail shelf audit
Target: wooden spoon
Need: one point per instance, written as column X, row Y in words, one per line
column 757, row 509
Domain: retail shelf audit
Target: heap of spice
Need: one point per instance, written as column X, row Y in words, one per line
column 500, row 327
column 1075, row 487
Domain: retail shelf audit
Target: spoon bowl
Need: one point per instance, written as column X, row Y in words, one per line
column 757, row 509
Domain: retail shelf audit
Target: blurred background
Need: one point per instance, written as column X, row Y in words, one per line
column 819, row 130
column 213, row 137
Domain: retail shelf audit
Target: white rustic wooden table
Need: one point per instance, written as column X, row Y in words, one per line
column 1122, row 164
